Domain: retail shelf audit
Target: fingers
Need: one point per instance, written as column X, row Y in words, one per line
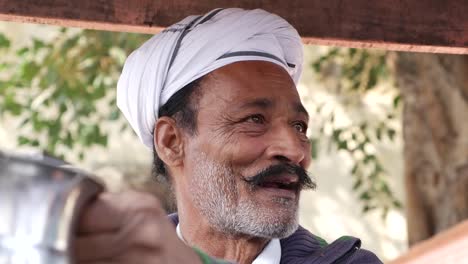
column 140, row 255
column 107, row 213
column 115, row 224
column 144, row 231
column 102, row 215
column 96, row 247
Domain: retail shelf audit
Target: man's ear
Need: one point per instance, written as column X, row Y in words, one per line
column 168, row 141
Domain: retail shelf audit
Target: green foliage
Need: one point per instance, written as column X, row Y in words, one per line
column 360, row 70
column 4, row 41
column 356, row 72
column 63, row 90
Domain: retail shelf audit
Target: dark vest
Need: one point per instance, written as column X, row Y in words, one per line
column 302, row 247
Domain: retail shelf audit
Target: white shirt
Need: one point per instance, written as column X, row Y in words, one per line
column 271, row 254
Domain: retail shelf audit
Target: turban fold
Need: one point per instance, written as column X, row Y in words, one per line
column 194, row 47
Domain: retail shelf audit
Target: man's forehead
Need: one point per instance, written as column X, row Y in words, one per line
column 251, row 84
column 270, row 103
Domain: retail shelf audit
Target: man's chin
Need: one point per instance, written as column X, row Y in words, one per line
column 278, row 230
column 276, row 218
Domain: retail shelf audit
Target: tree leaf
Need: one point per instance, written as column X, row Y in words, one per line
column 378, row 133
column 396, row 101
column 368, row 208
column 38, row 44
column 22, row 140
column 365, row 196
column 29, row 71
column 342, row 144
column 357, row 184
column 391, row 133
column 23, row 51
column 4, row 41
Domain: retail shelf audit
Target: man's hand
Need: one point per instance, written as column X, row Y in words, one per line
column 129, row 228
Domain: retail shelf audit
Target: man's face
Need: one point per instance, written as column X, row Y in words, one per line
column 245, row 166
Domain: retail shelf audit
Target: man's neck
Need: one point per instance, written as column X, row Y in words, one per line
column 196, row 231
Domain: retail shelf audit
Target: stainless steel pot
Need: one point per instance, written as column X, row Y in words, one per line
column 40, row 202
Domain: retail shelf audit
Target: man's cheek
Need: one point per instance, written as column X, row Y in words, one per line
column 247, row 149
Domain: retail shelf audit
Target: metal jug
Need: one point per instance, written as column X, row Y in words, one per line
column 40, row 202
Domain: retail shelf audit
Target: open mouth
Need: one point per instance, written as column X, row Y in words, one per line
column 277, row 187
column 282, row 186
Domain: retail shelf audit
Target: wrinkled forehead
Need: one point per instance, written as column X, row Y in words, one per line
column 248, row 80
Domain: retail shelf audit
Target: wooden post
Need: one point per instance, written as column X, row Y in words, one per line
column 445, row 248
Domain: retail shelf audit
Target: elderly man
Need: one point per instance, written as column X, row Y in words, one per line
column 215, row 97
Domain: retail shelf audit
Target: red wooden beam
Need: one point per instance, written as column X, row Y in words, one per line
column 447, row 247
column 409, row 25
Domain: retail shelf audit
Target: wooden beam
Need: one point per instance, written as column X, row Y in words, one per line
column 447, row 247
column 408, row 25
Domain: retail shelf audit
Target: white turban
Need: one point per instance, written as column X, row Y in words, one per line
column 194, row 47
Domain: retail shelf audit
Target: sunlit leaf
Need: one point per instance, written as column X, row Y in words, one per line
column 22, row 51
column 396, row 101
column 368, row 208
column 357, row 184
column 38, row 44
column 22, row 140
column 391, row 133
column 4, row 41
column 365, row 196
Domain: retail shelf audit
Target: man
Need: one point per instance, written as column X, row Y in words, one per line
column 215, row 97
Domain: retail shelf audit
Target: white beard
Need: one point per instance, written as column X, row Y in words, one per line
column 214, row 190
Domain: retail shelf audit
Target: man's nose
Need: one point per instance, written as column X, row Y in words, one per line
column 287, row 145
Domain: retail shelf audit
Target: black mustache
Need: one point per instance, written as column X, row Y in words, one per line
column 304, row 181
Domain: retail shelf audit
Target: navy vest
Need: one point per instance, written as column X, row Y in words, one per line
column 302, row 247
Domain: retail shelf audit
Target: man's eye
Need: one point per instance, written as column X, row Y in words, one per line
column 300, row 127
column 258, row 119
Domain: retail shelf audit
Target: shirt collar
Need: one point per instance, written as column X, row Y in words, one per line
column 271, row 254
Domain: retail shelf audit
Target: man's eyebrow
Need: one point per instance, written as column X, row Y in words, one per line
column 262, row 103
column 301, row 109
